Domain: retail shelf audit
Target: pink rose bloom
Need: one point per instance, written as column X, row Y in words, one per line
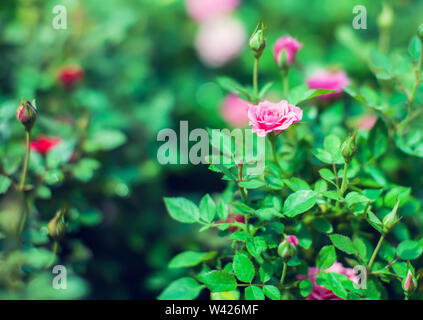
column 220, row 40
column 320, row 292
column 290, row 45
column 273, row 117
column 201, row 10
column 235, row 110
column 367, row 122
column 330, row 80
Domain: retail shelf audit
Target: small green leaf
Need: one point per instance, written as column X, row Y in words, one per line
column 254, row 293
column 222, row 210
column 322, row 225
column 243, row 268
column 378, row 140
column 409, row 249
column 190, row 259
column 182, row 210
column 326, row 257
column 272, row 292
column 299, row 202
column 305, row 287
column 207, row 208
column 181, row 289
column 5, row 183
column 218, row 281
column 343, row 243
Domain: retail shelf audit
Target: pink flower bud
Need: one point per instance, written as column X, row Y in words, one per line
column 288, row 45
column 287, row 248
column 269, row 117
column 292, row 239
column 409, row 283
column 232, row 217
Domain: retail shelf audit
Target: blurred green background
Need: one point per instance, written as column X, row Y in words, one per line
column 147, row 65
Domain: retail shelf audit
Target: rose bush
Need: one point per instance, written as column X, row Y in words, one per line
column 323, row 221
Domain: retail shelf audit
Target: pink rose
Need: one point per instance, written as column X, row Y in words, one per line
column 290, row 45
column 273, row 117
column 220, row 40
column 320, row 292
column 201, row 10
column 235, row 110
column 331, row 80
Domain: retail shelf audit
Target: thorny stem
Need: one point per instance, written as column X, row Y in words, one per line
column 379, row 244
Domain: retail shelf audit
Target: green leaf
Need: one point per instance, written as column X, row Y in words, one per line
column 104, row 140
column 243, row 268
column 414, row 48
column 299, row 202
column 265, row 271
column 272, row 292
column 322, row 225
column 361, row 248
column 326, row 257
column 190, row 259
column 343, row 243
column 5, row 183
column 323, row 156
column 222, row 210
column 381, row 61
column 378, row 139
column 207, row 208
column 332, row 144
column 182, row 289
column 218, row 281
column 182, row 210
column 252, row 184
column 254, row 293
column 305, row 287
column 409, row 249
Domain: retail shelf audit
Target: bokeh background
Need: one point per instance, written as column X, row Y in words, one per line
column 147, row 65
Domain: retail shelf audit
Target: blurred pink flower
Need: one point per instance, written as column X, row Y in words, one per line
column 70, row 75
column 290, row 45
column 235, row 110
column 201, row 10
column 268, row 116
column 220, row 40
column 331, row 80
column 320, row 292
column 367, row 122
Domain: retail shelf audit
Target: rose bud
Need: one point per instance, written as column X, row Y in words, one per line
column 391, row 219
column 409, row 283
column 285, row 51
column 257, row 41
column 27, row 114
column 287, row 248
column 349, row 147
column 70, row 75
column 56, row 227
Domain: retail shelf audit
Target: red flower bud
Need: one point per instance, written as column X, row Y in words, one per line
column 27, row 114
column 234, row 218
